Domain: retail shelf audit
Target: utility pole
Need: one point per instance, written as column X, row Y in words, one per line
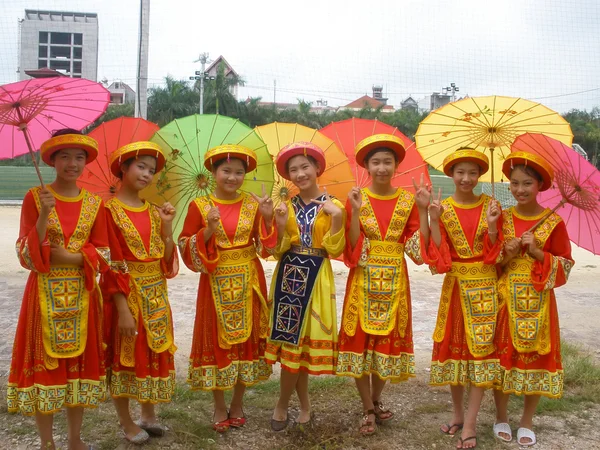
column 202, row 59
column 452, row 88
column 274, row 92
column 141, row 99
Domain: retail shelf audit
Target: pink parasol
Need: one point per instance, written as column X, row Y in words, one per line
column 575, row 192
column 31, row 110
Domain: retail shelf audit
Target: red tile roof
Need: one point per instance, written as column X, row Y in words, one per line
column 369, row 102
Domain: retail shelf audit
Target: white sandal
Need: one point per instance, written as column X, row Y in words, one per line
column 525, row 433
column 502, row 427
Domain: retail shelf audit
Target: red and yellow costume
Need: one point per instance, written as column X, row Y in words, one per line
column 303, row 323
column 231, row 323
column 58, row 355
column 528, row 336
column 376, row 329
column 141, row 367
column 463, row 348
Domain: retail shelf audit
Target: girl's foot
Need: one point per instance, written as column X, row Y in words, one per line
column 280, row 419
column 153, row 428
column 237, row 418
column 133, row 433
column 367, row 424
column 453, row 427
column 304, row 417
column 221, row 421
column 468, row 442
column 381, row 414
column 78, row 445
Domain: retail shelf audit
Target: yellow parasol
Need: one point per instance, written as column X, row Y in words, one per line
column 487, row 124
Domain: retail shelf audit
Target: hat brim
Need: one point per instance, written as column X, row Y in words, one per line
column 394, row 146
column 115, row 166
column 90, row 150
column 285, row 156
column 512, row 161
column 484, row 166
column 251, row 162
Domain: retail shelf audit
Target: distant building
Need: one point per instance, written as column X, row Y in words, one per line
column 121, row 93
column 377, row 101
column 409, row 103
column 229, row 73
column 64, row 41
column 433, row 101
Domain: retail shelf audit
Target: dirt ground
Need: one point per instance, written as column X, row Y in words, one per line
column 579, row 310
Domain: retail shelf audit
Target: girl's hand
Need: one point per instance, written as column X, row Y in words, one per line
column 511, row 248
column 281, row 216
column 265, row 205
column 528, row 241
column 436, row 208
column 422, row 193
column 167, row 213
column 494, row 211
column 213, row 217
column 330, row 208
column 355, row 197
column 47, row 202
column 60, row 255
column 127, row 323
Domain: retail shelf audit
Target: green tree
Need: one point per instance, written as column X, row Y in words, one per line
column 218, row 98
column 253, row 114
column 406, row 120
column 114, row 112
column 174, row 100
column 586, row 131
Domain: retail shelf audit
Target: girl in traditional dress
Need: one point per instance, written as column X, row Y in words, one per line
column 58, row 357
column 376, row 341
column 303, row 329
column 222, row 236
column 535, row 262
column 139, row 323
column 465, row 246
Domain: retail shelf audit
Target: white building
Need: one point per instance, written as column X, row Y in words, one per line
column 121, row 93
column 63, row 41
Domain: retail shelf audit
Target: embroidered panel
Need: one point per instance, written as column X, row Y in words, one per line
column 456, row 233
column 296, row 276
column 306, row 216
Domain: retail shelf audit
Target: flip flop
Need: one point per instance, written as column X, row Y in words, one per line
column 366, row 424
column 526, row 433
column 470, row 438
column 459, row 426
column 502, row 427
column 380, row 411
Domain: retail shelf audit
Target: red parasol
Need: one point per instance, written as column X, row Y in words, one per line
column 31, row 110
column 111, row 136
column 575, row 192
column 348, row 133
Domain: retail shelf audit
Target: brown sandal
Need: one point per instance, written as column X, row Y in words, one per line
column 381, row 414
column 366, row 424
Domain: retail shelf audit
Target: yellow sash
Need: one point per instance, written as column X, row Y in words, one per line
column 527, row 308
column 149, row 296
column 233, row 283
column 479, row 303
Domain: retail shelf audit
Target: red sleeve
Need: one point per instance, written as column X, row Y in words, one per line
column 439, row 258
column 117, row 279
column 352, row 254
column 96, row 251
column 412, row 225
column 493, row 253
column 554, row 270
column 197, row 255
column 268, row 240
column 33, row 254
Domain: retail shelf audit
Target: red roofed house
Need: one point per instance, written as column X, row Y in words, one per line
column 377, row 101
column 229, row 73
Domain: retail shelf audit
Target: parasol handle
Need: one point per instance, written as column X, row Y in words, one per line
column 23, row 128
column 492, row 163
column 541, row 221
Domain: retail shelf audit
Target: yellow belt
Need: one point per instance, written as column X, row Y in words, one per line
column 472, row 270
column 312, row 251
column 383, row 248
column 237, row 256
column 139, row 268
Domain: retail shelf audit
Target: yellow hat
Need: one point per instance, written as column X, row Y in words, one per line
column 80, row 141
column 466, row 155
column 537, row 163
column 388, row 141
column 227, row 151
column 296, row 149
column 134, row 150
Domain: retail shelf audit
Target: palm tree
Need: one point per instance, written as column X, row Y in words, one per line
column 217, row 93
column 176, row 99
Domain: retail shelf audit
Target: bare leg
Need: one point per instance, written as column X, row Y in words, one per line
column 501, row 400
column 237, row 401
column 303, row 397
column 377, row 385
column 531, row 403
column 148, row 413
column 220, row 413
column 457, row 393
column 470, row 427
column 127, row 423
column 363, row 385
column 287, row 385
column 44, row 425
column 74, row 421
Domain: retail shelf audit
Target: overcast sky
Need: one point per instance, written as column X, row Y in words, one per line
column 335, row 50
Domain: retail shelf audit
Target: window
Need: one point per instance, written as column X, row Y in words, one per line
column 42, row 63
column 63, row 66
column 43, row 37
column 77, row 38
column 60, row 52
column 43, row 51
column 76, row 66
column 76, row 52
column 60, row 38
